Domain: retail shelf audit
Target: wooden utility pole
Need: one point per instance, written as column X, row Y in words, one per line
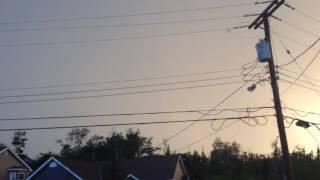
column 263, row 18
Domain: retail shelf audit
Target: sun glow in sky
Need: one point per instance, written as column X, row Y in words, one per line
column 43, row 53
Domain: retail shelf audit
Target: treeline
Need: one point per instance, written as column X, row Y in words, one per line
column 226, row 160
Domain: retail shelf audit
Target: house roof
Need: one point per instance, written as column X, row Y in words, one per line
column 52, row 159
column 2, row 148
column 16, row 157
column 156, row 167
column 89, row 170
column 147, row 168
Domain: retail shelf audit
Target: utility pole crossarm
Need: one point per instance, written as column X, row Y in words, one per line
column 273, row 6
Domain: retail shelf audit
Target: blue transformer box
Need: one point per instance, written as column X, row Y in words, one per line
column 263, row 51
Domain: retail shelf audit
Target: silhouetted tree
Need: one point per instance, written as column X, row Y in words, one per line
column 19, row 141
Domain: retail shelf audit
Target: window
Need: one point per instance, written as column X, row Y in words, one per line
column 17, row 176
column 12, row 176
column 21, row 176
column 52, row 165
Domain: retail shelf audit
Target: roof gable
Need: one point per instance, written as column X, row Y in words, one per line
column 2, row 147
column 131, row 177
column 16, row 157
column 58, row 163
column 183, row 167
column 156, row 167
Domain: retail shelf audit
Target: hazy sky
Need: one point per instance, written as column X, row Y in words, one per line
column 26, row 65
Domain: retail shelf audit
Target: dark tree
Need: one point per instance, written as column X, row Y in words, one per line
column 130, row 145
column 73, row 142
column 19, row 141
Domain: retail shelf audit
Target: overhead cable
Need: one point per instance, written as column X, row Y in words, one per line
column 304, row 14
column 302, row 53
column 206, row 136
column 119, row 25
column 304, row 70
column 104, row 40
column 117, row 94
column 64, row 117
column 118, row 88
column 129, row 15
column 204, row 115
column 126, row 124
column 121, row 81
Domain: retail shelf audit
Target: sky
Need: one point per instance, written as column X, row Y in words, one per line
column 45, row 43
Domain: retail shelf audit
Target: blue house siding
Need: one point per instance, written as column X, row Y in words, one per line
column 55, row 173
column 53, row 169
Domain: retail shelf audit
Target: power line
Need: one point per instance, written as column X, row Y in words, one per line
column 204, row 115
column 130, row 114
column 307, row 82
column 299, row 28
column 302, row 111
column 287, row 70
column 292, row 39
column 118, row 88
column 295, row 60
column 299, row 119
column 120, row 25
column 206, row 137
column 315, row 139
column 304, row 70
column 129, row 15
column 302, row 53
column 308, row 16
column 121, row 81
column 304, row 14
column 50, row 43
column 118, row 94
column 291, row 83
column 129, row 124
column 314, row 86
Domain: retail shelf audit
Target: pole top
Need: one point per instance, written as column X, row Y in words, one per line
column 266, row 13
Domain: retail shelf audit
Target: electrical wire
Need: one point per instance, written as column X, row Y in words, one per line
column 301, row 54
column 121, row 81
column 299, row 28
column 118, row 94
column 206, row 137
column 252, row 65
column 285, row 108
column 204, row 115
column 121, row 25
column 304, row 70
column 307, row 82
column 126, row 114
column 214, row 133
column 297, row 64
column 122, row 124
column 292, row 39
column 299, row 119
column 220, row 111
column 304, row 14
column 293, row 72
column 314, row 138
column 292, row 83
column 297, row 111
column 129, row 15
column 118, row 88
column 101, row 40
